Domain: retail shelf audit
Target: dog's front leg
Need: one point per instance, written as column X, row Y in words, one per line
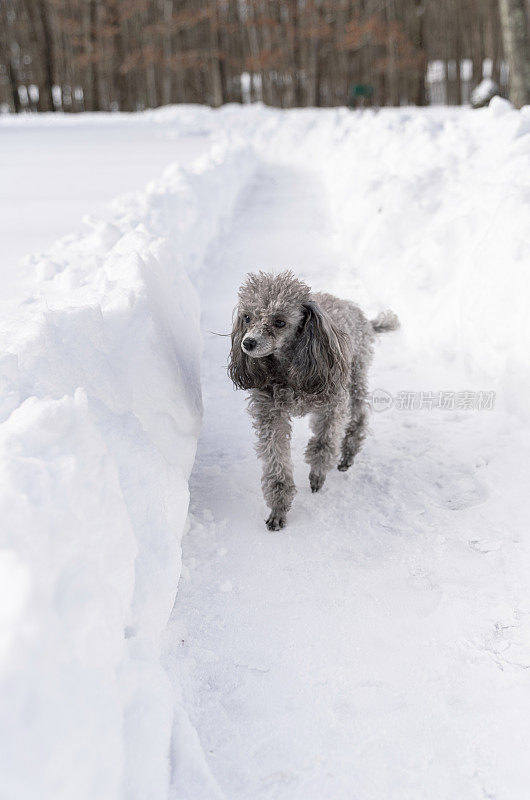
column 273, row 427
column 322, row 450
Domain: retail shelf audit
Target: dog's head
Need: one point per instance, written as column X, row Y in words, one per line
column 278, row 328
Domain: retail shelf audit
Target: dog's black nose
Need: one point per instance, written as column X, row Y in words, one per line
column 249, row 344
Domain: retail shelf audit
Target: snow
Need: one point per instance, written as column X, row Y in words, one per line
column 61, row 167
column 379, row 646
column 101, row 412
column 484, row 92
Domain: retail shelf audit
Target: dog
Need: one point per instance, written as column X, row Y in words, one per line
column 302, row 353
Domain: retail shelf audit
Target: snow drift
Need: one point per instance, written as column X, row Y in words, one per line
column 100, row 411
column 100, row 408
column 427, row 227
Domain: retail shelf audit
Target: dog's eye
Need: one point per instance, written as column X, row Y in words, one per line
column 279, row 323
column 246, row 318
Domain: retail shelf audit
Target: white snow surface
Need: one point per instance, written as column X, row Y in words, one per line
column 484, row 91
column 58, row 168
column 379, row 647
column 99, row 372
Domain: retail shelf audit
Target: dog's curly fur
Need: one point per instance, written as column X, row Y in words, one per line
column 316, row 362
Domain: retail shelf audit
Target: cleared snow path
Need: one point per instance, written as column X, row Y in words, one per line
column 377, row 648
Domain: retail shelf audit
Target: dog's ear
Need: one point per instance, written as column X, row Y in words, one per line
column 322, row 356
column 245, row 372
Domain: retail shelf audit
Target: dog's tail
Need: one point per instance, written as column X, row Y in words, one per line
column 385, row 321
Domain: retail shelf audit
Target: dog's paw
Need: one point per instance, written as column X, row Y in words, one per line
column 316, row 481
column 343, row 465
column 275, row 521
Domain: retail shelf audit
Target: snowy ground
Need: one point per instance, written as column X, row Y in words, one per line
column 56, row 171
column 379, row 647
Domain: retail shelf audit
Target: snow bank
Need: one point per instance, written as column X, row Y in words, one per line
column 100, row 411
column 428, row 229
column 437, row 231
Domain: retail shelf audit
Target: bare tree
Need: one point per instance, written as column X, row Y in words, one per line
column 111, row 54
column 515, row 36
column 41, row 11
column 9, row 51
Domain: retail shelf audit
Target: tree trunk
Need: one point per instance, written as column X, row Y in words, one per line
column 392, row 77
column 418, row 41
column 296, row 71
column 45, row 92
column 496, row 45
column 7, row 54
column 477, row 42
column 215, row 67
column 120, row 76
column 13, row 85
column 167, row 10
column 94, row 92
column 458, row 51
column 515, row 37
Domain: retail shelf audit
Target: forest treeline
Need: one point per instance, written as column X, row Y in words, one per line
column 90, row 55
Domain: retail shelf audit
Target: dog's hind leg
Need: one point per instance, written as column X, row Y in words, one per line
column 357, row 426
column 323, row 447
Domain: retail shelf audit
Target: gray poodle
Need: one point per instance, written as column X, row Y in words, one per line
column 302, row 353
